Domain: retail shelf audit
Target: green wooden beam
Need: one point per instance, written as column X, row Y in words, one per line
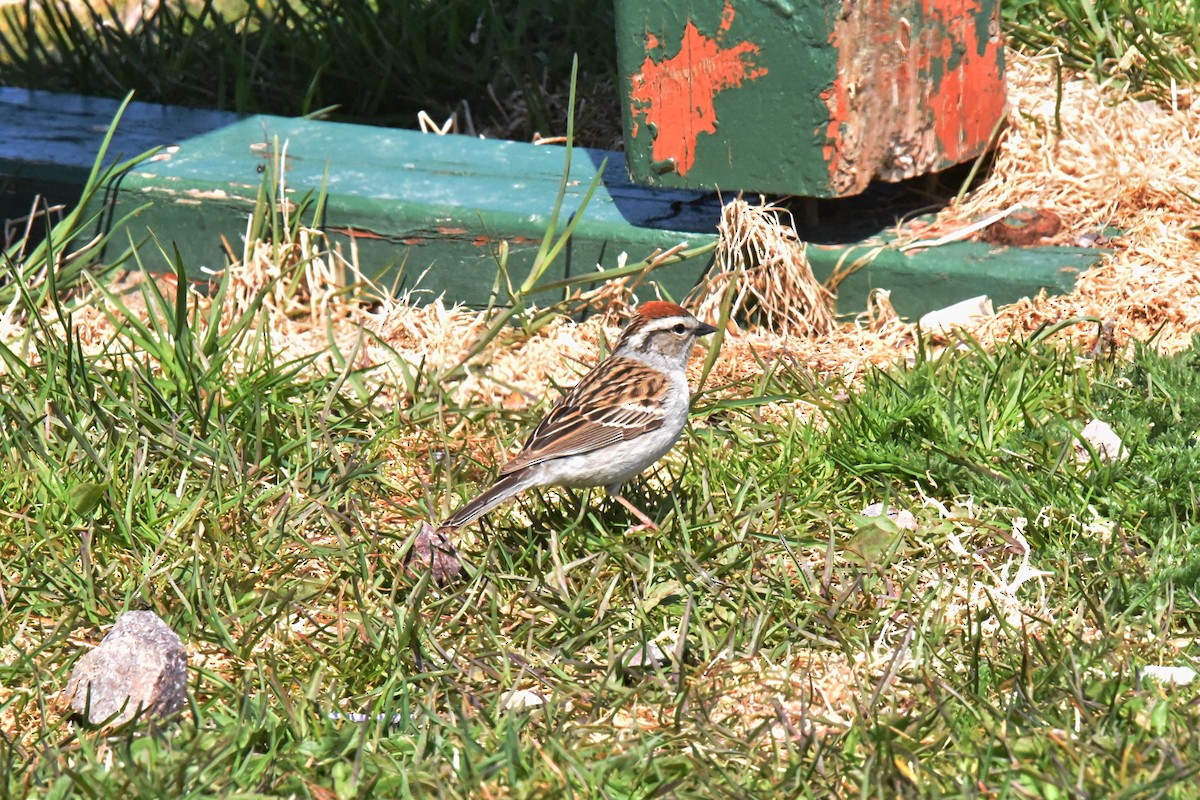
column 49, row 140
column 936, row 277
column 423, row 212
column 816, row 99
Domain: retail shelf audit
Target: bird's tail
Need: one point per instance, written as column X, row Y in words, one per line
column 501, row 490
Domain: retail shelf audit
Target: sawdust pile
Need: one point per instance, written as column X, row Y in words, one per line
column 1115, row 162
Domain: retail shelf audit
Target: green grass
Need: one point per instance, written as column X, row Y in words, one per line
column 185, row 466
column 1153, row 47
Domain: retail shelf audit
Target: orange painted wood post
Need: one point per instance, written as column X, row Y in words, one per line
column 809, row 98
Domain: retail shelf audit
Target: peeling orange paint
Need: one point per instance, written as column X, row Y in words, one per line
column 837, row 100
column 361, row 233
column 914, row 91
column 727, row 14
column 674, row 97
column 970, row 98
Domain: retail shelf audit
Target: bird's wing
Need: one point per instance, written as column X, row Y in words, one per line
column 620, row 399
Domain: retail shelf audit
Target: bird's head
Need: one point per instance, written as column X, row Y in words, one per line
column 662, row 331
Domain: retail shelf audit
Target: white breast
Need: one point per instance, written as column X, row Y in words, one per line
column 618, row 463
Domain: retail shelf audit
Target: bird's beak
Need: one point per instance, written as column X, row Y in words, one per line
column 704, row 329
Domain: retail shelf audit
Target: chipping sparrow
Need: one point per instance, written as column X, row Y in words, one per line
column 622, row 417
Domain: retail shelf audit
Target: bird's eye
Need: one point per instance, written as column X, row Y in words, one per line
column 681, row 329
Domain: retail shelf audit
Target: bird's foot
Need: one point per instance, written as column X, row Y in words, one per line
column 645, row 523
column 432, row 550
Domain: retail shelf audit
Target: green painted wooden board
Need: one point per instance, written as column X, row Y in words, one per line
column 808, row 97
column 937, row 277
column 49, row 140
column 424, row 213
column 428, row 212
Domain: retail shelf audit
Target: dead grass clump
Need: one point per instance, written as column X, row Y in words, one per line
column 1101, row 159
column 299, row 279
column 765, row 263
column 815, row 694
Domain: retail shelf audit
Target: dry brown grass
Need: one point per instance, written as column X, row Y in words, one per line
column 762, row 261
column 1115, row 162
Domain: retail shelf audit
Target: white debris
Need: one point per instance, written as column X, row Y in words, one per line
column 904, row 519
column 1177, row 676
column 1102, row 440
column 518, row 699
column 644, row 658
column 1025, row 571
column 961, row 313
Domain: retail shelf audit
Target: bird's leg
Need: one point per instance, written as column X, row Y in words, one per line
column 647, row 524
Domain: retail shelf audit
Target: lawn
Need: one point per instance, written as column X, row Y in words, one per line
column 252, row 458
column 988, row 641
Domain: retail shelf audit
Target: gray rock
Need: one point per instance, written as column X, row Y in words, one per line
column 139, row 668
